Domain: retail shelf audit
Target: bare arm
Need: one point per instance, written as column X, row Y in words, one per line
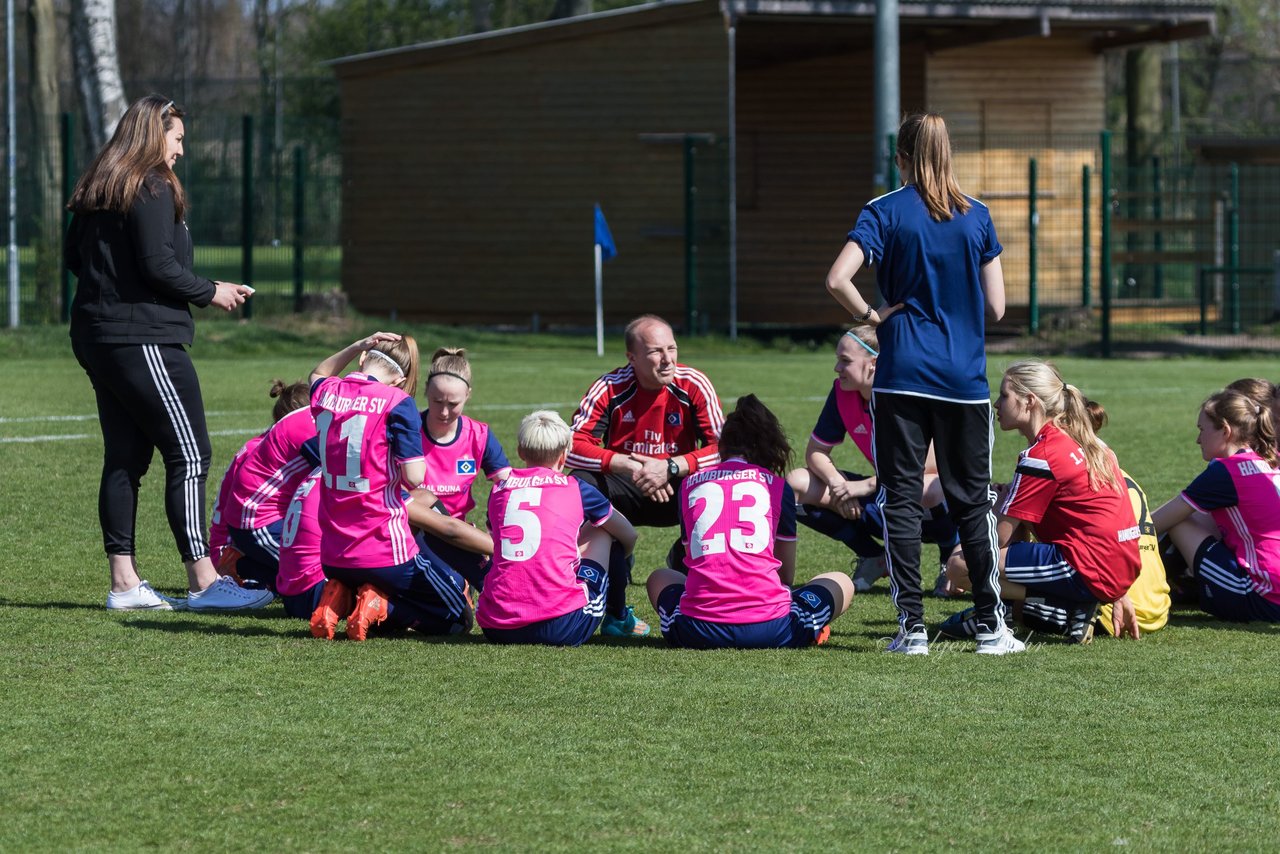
column 992, row 276
column 785, row 551
column 840, row 282
column 453, row 531
column 620, row 528
column 1170, row 513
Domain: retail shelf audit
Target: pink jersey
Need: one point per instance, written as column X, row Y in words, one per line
column 270, row 473
column 219, row 535
column 1242, row 493
column 730, row 516
column 534, row 516
column 452, row 466
column 367, row 432
column 845, row 412
column 300, row 568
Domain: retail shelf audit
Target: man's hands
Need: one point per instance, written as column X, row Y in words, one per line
column 650, row 476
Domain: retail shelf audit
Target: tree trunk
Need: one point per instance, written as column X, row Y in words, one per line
column 42, row 97
column 97, row 67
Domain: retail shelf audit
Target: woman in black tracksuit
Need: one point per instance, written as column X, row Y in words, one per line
column 129, row 248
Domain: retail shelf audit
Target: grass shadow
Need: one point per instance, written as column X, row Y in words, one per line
column 187, row 627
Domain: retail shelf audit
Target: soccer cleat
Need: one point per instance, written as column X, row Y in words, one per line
column 824, row 635
column 914, row 642
column 225, row 595
column 629, row 626
column 868, row 571
column 336, row 601
column 998, row 643
column 227, row 563
column 140, row 598
column 371, row 609
column 1080, row 623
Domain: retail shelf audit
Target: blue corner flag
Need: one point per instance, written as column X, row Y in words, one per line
column 604, row 237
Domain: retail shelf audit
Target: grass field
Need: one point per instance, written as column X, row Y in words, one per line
column 199, row 732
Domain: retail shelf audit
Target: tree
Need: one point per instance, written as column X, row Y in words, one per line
column 42, row 97
column 97, row 67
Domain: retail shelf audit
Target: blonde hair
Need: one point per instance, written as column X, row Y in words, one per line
column 925, row 145
column 135, row 151
column 1067, row 408
column 289, row 397
column 866, row 333
column 1260, row 391
column 543, row 436
column 452, row 362
column 405, row 354
column 1250, row 421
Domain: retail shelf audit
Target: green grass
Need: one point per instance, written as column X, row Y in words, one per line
column 197, row 732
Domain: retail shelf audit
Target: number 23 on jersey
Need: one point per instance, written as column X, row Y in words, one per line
column 742, row 508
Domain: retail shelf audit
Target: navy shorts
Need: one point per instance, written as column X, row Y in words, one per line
column 1044, row 571
column 302, row 605
column 1225, row 589
column 260, row 553
column 812, row 608
column 421, row 595
column 471, row 566
column 572, row 629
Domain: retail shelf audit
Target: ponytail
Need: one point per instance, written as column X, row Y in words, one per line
column 288, row 397
column 1251, row 422
column 925, row 145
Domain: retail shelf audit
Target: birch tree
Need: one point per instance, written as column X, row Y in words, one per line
column 97, row 67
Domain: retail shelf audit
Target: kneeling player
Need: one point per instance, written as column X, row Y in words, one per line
column 549, row 577
column 738, row 528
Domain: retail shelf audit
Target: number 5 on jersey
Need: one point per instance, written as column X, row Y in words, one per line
column 516, row 516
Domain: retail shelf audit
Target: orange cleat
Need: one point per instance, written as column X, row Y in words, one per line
column 336, row 601
column 823, row 635
column 371, row 609
column 227, row 563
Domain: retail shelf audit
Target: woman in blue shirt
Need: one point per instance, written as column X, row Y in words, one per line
column 938, row 268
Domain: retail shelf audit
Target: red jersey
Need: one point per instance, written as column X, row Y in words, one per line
column 1096, row 531
column 619, row 416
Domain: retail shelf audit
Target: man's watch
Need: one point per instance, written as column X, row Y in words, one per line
column 673, row 469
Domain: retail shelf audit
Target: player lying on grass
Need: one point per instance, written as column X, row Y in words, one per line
column 1068, row 490
column 551, row 572
column 370, row 454
column 457, row 449
column 738, row 526
column 841, row 504
column 1234, row 552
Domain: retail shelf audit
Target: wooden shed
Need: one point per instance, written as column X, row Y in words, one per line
column 471, row 165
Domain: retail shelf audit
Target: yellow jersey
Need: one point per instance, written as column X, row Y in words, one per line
column 1150, row 593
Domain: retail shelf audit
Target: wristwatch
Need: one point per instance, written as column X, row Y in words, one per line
column 673, row 469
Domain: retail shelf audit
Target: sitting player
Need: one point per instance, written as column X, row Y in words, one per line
column 550, row 576
column 457, row 449
column 370, row 453
column 1069, row 491
column 1234, row 554
column 840, row 504
column 739, row 532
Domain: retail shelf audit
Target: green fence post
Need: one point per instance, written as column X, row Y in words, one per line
column 68, row 185
column 299, row 224
column 892, row 171
column 1234, row 249
column 1086, row 242
column 1033, row 224
column 1204, row 303
column 690, row 239
column 246, row 209
column 1157, row 213
column 1105, row 283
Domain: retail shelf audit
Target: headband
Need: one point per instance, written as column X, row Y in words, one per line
column 865, row 345
column 390, row 361
column 165, row 109
column 435, row 374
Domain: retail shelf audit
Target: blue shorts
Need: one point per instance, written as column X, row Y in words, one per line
column 260, row 553
column 471, row 566
column 1044, row 571
column 572, row 629
column 421, row 595
column 301, row 605
column 1225, row 589
column 812, row 608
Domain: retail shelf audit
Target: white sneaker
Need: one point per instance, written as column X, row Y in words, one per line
column 225, row 595
column 999, row 643
column 868, row 571
column 140, row 598
column 914, row 642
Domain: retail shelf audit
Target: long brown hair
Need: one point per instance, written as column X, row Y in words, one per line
column 924, row 144
column 135, row 151
column 752, row 432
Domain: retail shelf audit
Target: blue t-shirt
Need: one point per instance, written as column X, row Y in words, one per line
column 934, row 345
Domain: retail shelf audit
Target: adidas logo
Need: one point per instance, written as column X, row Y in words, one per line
column 861, row 430
column 627, row 417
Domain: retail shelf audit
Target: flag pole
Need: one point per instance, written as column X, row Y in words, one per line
column 599, row 302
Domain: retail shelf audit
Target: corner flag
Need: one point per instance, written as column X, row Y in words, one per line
column 604, row 238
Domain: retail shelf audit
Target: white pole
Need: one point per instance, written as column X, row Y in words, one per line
column 11, row 143
column 599, row 299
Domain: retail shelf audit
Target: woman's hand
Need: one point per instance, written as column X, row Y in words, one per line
column 366, row 344
column 229, row 296
column 1124, row 620
column 881, row 314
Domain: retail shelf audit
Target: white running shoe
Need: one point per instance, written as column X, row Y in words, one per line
column 999, row 643
column 914, row 642
column 225, row 595
column 868, row 571
column 140, row 598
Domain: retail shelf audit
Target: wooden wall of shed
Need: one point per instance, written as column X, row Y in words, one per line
column 469, row 184
column 1005, row 102
column 805, row 157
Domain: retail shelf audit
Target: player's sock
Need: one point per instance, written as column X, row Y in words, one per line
column 615, row 601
